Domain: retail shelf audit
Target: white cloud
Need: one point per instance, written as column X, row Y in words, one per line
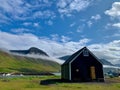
column 21, row 9
column 108, row 25
column 72, row 24
column 66, row 7
column 109, row 51
column 114, row 11
column 55, row 37
column 89, row 23
column 49, row 22
column 44, row 14
column 84, row 41
column 20, row 30
column 27, row 23
column 116, row 35
column 53, row 48
column 93, row 19
column 116, row 25
column 36, row 24
column 96, row 17
column 36, row 56
column 113, row 27
column 65, row 39
column 4, row 19
column 14, row 8
column 80, row 28
column 39, row 9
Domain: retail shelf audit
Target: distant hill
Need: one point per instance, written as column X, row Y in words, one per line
column 32, row 50
column 117, row 65
column 64, row 57
column 19, row 64
column 105, row 62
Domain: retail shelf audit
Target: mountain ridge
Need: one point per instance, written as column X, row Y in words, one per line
column 32, row 50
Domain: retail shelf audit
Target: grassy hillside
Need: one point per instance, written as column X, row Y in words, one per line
column 18, row 64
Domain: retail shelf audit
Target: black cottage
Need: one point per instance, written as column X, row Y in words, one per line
column 82, row 66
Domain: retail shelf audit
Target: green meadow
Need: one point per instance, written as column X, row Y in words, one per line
column 18, row 64
column 34, row 83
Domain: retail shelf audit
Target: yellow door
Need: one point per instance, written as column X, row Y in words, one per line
column 92, row 72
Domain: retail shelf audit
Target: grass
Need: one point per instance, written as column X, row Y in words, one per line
column 33, row 83
column 17, row 64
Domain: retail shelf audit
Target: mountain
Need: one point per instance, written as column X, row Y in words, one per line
column 64, row 57
column 32, row 50
column 117, row 65
column 20, row 64
column 105, row 62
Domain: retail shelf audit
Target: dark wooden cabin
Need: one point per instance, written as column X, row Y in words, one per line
column 82, row 66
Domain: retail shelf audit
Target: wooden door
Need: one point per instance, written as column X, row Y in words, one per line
column 92, row 72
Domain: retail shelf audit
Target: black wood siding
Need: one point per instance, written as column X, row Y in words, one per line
column 78, row 67
column 83, row 63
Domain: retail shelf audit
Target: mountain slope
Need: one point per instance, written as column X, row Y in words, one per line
column 117, row 65
column 64, row 57
column 20, row 64
column 32, row 50
column 105, row 62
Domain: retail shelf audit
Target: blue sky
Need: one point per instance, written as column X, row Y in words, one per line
column 61, row 27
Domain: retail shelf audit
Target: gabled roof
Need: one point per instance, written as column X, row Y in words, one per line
column 73, row 56
column 76, row 54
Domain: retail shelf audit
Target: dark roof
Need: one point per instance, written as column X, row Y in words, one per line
column 73, row 56
column 77, row 54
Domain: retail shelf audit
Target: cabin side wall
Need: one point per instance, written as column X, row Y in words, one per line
column 65, row 72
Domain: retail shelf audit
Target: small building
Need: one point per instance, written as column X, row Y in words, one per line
column 82, row 66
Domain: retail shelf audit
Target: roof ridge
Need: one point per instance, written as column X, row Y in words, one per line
column 74, row 54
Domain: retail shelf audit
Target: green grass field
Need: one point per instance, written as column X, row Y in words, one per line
column 18, row 64
column 33, row 83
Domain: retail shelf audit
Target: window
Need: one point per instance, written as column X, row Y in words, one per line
column 77, row 70
column 85, row 53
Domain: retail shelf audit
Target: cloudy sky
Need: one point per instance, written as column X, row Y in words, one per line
column 61, row 27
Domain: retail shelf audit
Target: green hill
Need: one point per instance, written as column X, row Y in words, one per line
column 19, row 64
